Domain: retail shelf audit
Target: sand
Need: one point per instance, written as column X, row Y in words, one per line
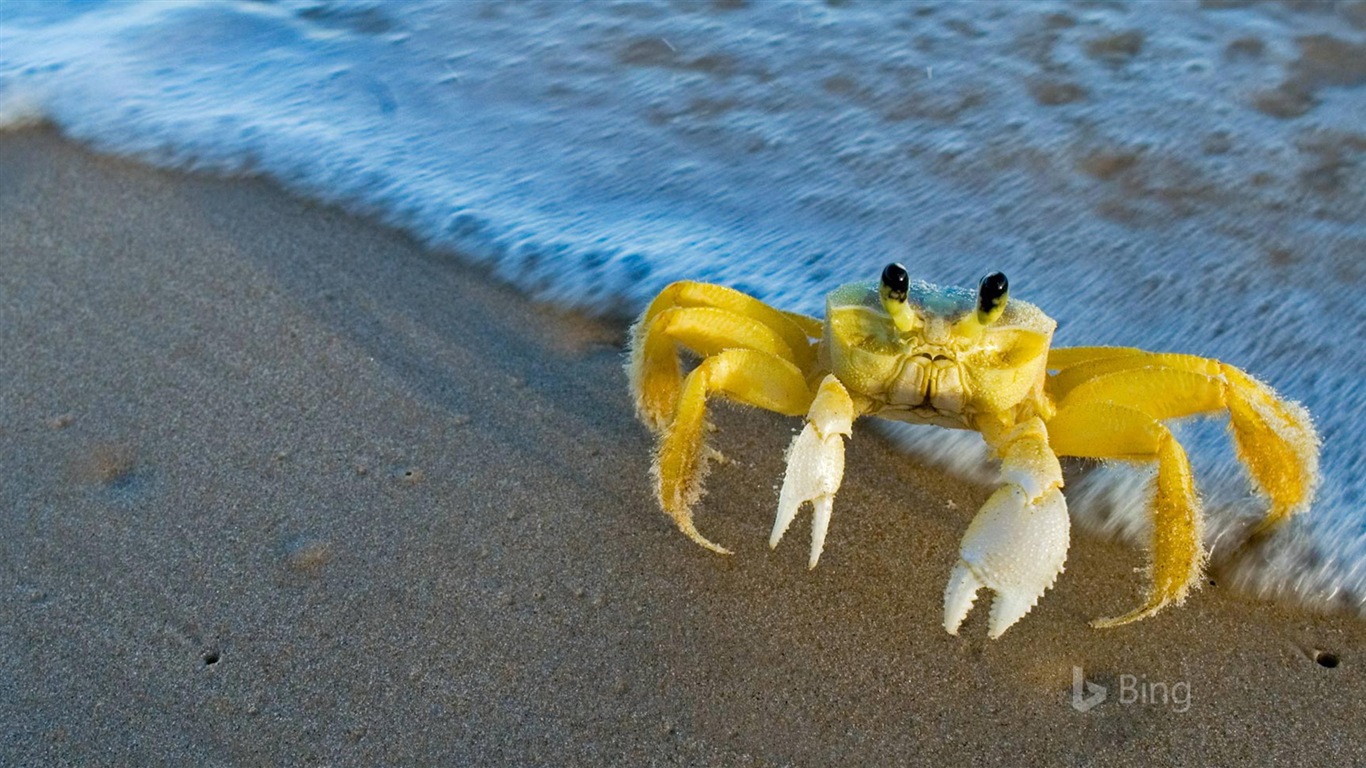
column 282, row 487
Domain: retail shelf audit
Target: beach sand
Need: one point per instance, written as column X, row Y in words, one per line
column 282, row 487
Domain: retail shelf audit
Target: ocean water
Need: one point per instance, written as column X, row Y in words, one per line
column 1177, row 175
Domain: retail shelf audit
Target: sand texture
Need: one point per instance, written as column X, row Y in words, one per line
column 280, row 487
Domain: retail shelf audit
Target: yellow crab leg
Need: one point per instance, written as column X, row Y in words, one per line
column 1277, row 442
column 757, row 378
column 1159, row 391
column 706, row 319
column 1275, row 439
column 810, row 326
column 1079, row 364
column 654, row 370
column 1066, row 357
column 1110, row 431
column 796, row 330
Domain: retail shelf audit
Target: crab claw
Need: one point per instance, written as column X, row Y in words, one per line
column 815, row 465
column 1015, row 548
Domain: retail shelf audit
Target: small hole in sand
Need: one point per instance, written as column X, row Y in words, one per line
column 1326, row 659
column 210, row 658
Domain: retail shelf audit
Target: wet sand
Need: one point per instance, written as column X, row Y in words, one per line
column 280, row 486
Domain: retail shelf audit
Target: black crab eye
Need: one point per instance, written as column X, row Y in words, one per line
column 896, row 280
column 991, row 296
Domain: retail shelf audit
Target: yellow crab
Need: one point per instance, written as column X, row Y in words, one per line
column 915, row 352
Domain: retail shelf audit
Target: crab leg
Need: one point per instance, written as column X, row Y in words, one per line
column 1066, row 357
column 1275, row 438
column 1017, row 543
column 815, row 464
column 1108, row 430
column 657, row 377
column 757, row 378
column 795, row 329
column 706, row 319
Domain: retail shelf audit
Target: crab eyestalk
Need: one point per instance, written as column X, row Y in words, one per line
column 896, row 282
column 991, row 298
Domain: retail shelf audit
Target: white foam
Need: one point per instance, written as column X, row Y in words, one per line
column 1152, row 174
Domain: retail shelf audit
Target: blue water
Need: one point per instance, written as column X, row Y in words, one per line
column 1174, row 175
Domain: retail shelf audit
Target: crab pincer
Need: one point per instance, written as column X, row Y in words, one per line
column 1015, row 547
column 815, row 465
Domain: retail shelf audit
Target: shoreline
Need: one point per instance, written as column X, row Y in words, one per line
column 285, row 487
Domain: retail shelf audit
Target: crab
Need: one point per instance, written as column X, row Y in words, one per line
column 964, row 359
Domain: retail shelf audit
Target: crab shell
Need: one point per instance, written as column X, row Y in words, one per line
column 947, row 369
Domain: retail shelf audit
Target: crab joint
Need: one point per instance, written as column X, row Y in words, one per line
column 895, row 284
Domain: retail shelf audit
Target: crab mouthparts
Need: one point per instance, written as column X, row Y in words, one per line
column 929, row 379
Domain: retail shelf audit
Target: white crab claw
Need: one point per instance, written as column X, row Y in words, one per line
column 1014, row 548
column 815, row 466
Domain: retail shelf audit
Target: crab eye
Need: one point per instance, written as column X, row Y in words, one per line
column 893, row 291
column 895, row 282
column 991, row 297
